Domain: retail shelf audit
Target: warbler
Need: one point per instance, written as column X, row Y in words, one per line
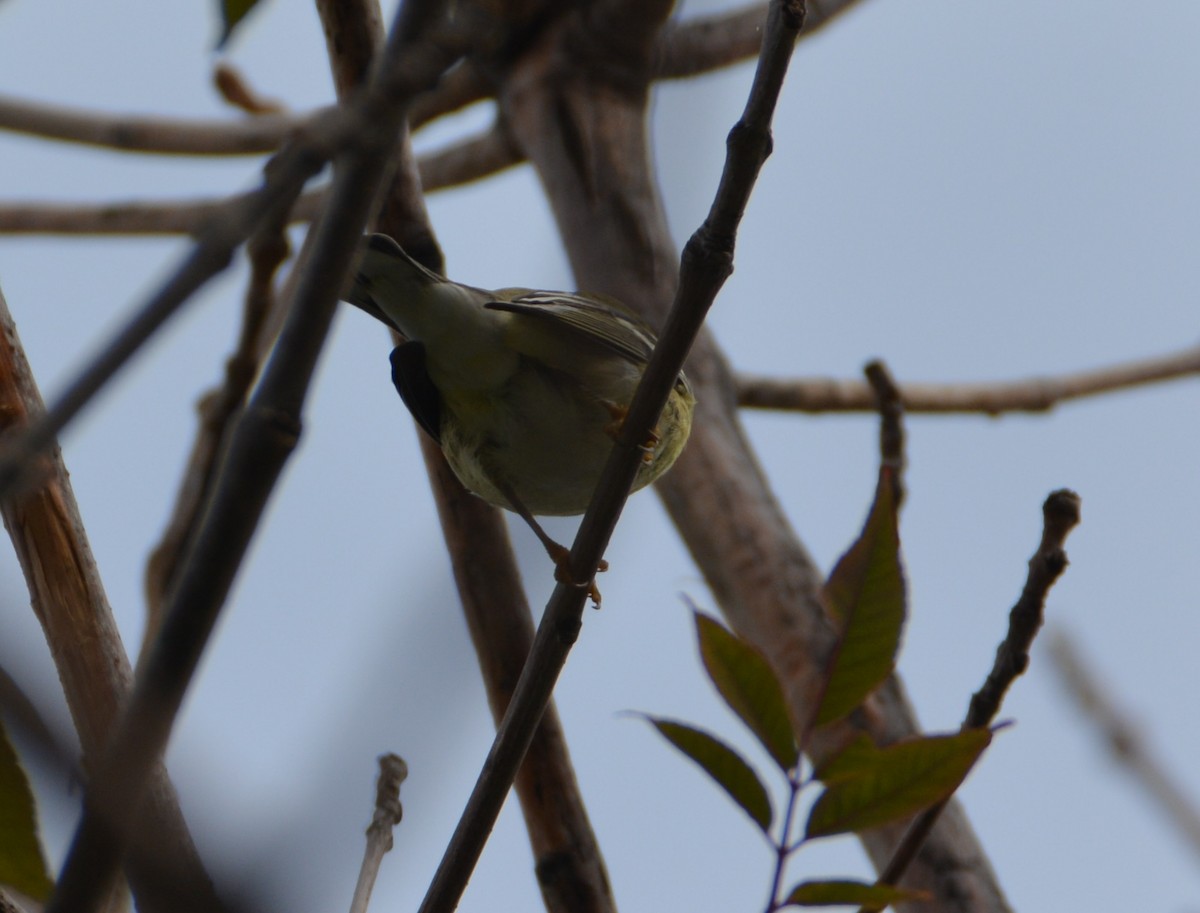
column 523, row 390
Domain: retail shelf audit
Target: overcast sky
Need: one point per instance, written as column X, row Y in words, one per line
column 971, row 191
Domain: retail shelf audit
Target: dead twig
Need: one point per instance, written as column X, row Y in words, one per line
column 388, row 812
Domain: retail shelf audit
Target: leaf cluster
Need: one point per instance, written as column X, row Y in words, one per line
column 864, row 785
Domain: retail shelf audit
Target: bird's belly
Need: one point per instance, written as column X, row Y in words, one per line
column 545, row 438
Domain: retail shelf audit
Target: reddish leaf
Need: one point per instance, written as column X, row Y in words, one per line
column 749, row 687
column 865, row 595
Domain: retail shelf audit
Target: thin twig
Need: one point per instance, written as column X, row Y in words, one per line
column 166, row 135
column 1060, row 514
column 388, row 812
column 1037, row 394
column 469, row 159
column 159, row 134
column 262, row 439
column 1126, row 744
column 211, row 254
column 706, row 263
column 267, row 249
column 570, row 867
column 891, row 424
column 134, row 217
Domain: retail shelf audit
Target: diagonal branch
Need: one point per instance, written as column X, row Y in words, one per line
column 68, row 598
column 571, row 871
column 706, row 263
column 267, row 249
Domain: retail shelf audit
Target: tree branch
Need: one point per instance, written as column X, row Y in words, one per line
column 1038, row 394
column 469, row 159
column 267, row 249
column 587, row 139
column 705, row 267
column 388, row 812
column 167, row 217
column 68, row 598
column 159, row 134
column 1060, row 515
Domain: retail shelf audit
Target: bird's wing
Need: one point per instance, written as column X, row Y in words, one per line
column 596, row 320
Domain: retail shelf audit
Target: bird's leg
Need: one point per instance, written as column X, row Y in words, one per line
column 613, row 428
column 559, row 554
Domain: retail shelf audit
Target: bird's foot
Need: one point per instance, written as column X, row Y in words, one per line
column 561, row 556
column 613, row 428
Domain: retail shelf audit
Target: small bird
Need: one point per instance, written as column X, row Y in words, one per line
column 523, row 390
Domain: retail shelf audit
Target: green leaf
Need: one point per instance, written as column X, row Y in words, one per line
column 857, row 758
column 905, row 778
column 22, row 865
column 232, row 13
column 749, row 687
column 836, row 892
column 723, row 764
column 865, row 596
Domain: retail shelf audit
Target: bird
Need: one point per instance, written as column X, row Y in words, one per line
column 523, row 390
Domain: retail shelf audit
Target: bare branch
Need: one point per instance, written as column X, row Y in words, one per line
column 469, row 159
column 167, row 217
column 1060, row 515
column 705, row 267
column 388, row 812
column 571, row 870
column 891, row 424
column 133, row 133
column 1125, row 743
column 69, row 600
column 267, row 249
column 1038, row 394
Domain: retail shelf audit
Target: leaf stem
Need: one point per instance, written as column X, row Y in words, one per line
column 784, row 848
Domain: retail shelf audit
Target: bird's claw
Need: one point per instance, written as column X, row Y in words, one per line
column 613, row 429
column 561, row 556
